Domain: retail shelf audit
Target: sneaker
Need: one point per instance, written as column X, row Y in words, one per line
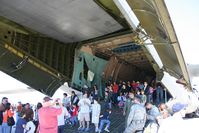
column 106, row 129
column 96, row 130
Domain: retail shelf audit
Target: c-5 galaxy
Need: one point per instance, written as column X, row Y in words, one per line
column 45, row 43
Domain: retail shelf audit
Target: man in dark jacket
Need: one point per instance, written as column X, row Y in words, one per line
column 74, row 99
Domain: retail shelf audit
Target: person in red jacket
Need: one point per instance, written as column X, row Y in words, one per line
column 115, row 92
column 74, row 114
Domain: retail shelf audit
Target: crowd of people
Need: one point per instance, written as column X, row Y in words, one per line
column 23, row 121
column 141, row 104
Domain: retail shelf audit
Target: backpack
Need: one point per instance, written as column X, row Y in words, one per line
column 10, row 121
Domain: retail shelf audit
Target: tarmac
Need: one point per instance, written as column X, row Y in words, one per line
column 117, row 124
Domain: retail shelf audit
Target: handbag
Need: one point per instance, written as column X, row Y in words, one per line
column 10, row 121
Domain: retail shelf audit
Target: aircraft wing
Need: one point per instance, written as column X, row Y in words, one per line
column 154, row 18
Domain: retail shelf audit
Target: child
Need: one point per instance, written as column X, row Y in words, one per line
column 121, row 101
column 105, row 120
column 30, row 126
column 68, row 116
column 74, row 113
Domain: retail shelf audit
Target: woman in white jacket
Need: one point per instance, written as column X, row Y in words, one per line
column 96, row 107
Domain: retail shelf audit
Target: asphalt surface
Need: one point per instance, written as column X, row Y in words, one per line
column 117, row 124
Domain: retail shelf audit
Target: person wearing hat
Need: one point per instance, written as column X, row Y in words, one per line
column 175, row 122
column 136, row 118
column 179, row 108
column 48, row 116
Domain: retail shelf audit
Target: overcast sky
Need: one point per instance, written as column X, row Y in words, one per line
column 185, row 18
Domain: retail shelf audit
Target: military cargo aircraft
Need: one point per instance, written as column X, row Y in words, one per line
column 45, row 43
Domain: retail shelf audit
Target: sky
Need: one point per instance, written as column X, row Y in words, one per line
column 185, row 18
column 9, row 84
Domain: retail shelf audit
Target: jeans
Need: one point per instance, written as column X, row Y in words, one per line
column 115, row 98
column 110, row 105
column 102, row 122
column 61, row 129
column 150, row 98
column 159, row 95
column 5, row 128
